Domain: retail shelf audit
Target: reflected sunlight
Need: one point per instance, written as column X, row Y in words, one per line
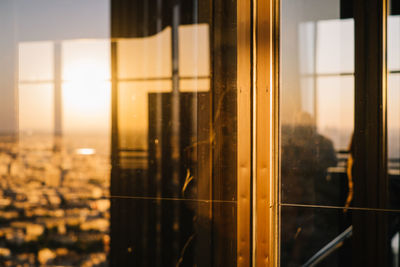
column 85, row 151
column 86, row 86
column 86, row 105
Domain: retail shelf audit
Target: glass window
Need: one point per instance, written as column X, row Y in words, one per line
column 174, row 134
column 393, row 84
column 317, row 99
column 339, row 148
column 118, row 133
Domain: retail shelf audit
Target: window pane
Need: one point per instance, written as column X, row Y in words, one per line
column 393, row 118
column 174, row 142
column 55, row 98
column 147, row 57
column 36, row 61
column 335, row 191
column 317, row 100
column 335, row 111
column 118, row 133
column 393, row 42
column 86, row 107
column 393, row 88
column 86, row 60
column 36, row 108
column 334, row 50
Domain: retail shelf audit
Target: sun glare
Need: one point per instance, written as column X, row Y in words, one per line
column 86, row 86
column 85, row 151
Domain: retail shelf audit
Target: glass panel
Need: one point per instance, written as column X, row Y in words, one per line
column 86, row 60
column 194, row 43
column 317, row 100
column 335, row 120
column 393, row 101
column 315, row 236
column 35, row 61
column 55, row 96
column 86, row 88
column 36, row 108
column 146, row 57
column 86, row 107
column 158, row 239
column 118, row 133
column 174, row 133
column 338, row 206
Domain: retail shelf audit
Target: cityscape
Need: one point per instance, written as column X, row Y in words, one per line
column 54, row 206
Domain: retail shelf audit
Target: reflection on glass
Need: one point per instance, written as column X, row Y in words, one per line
column 317, row 101
column 326, row 237
column 37, row 98
column 36, row 61
column 393, row 101
column 54, row 133
column 86, row 87
column 393, row 121
column 174, row 142
column 321, row 223
column 118, row 134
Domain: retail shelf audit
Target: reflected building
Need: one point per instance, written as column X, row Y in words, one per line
column 173, row 189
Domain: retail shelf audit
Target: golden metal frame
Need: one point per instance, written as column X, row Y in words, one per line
column 243, row 132
column 258, row 131
column 266, row 127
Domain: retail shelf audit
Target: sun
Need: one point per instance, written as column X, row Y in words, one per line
column 86, row 86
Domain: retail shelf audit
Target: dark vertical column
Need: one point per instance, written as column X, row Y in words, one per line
column 155, row 178
column 201, row 166
column 224, row 135
column 58, row 108
column 158, row 145
column 144, row 187
column 114, row 105
column 175, row 130
column 204, row 179
column 57, row 89
column 114, row 119
column 196, row 61
column 116, row 207
column 370, row 156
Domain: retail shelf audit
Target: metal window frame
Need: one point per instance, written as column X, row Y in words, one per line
column 371, row 117
column 370, row 133
column 266, row 127
column 244, row 146
column 258, row 132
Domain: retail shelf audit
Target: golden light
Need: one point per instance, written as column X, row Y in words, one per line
column 85, row 151
column 86, row 87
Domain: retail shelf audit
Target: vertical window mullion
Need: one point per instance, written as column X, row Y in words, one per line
column 370, row 173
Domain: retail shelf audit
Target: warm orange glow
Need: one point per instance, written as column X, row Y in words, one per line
column 85, row 151
column 86, row 86
column 86, row 105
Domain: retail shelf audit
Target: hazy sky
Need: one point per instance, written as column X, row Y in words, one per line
column 30, row 29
